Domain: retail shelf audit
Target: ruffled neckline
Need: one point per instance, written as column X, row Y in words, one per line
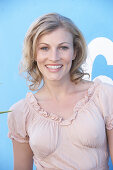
column 78, row 106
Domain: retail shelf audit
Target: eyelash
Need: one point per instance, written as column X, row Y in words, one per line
column 44, row 48
column 64, row 47
column 61, row 47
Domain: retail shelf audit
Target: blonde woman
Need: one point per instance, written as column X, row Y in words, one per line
column 66, row 124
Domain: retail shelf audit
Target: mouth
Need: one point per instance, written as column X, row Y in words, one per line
column 54, row 67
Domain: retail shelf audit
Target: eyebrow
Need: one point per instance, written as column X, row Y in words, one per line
column 58, row 44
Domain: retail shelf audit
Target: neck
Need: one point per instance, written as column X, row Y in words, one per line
column 58, row 89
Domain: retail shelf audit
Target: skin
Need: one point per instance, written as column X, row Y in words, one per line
column 55, row 50
column 110, row 143
column 59, row 94
column 23, row 156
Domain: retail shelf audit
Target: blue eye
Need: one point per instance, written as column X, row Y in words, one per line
column 64, row 48
column 44, row 48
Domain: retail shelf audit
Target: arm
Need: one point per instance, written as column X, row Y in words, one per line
column 110, row 142
column 23, row 156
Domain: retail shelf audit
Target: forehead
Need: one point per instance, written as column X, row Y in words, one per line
column 59, row 35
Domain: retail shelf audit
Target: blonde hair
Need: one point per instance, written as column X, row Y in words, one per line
column 42, row 26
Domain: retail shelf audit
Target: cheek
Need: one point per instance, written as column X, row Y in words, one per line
column 69, row 57
column 40, row 61
column 40, row 58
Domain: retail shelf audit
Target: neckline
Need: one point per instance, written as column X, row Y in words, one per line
column 77, row 107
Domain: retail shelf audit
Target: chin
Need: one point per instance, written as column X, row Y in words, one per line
column 54, row 78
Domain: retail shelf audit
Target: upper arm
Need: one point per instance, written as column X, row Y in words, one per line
column 23, row 156
column 106, row 104
column 110, row 142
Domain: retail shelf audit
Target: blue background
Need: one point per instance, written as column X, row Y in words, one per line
column 93, row 17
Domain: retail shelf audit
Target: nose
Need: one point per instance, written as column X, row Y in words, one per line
column 54, row 55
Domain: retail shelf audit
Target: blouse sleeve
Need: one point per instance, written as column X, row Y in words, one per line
column 106, row 102
column 17, row 122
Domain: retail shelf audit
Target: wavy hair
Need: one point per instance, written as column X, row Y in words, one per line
column 42, row 26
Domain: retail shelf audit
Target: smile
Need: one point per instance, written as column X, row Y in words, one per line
column 54, row 67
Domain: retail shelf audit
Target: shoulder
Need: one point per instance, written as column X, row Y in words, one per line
column 102, row 86
column 20, row 105
column 87, row 84
column 17, row 121
column 19, row 110
column 101, row 89
column 105, row 88
column 104, row 95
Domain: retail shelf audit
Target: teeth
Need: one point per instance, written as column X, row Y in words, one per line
column 53, row 67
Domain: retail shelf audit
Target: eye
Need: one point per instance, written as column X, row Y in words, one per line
column 64, row 48
column 44, row 48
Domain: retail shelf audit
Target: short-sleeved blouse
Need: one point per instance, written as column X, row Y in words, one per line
column 78, row 143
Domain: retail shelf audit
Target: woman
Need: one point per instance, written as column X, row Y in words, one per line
column 66, row 124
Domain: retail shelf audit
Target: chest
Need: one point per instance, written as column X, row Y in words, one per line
column 63, row 108
column 86, row 130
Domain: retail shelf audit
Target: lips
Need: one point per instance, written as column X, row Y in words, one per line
column 54, row 67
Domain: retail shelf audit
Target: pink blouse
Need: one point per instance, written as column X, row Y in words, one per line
column 78, row 143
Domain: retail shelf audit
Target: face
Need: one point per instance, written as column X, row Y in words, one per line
column 55, row 54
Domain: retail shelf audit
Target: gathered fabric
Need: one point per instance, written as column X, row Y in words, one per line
column 77, row 143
